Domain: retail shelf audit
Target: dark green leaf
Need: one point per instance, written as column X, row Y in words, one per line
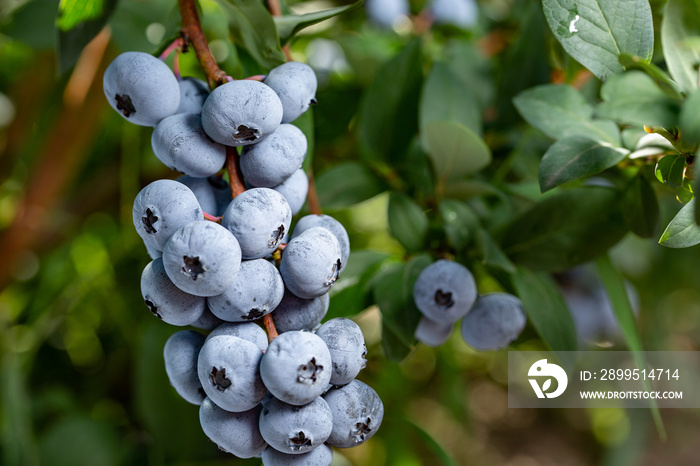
column 670, row 170
column 690, row 118
column 559, row 111
column 459, row 222
column 566, row 229
column 659, row 76
column 633, row 98
column 492, row 255
column 81, row 441
column 682, row 232
column 408, row 222
column 597, row 32
column 455, row 150
column 684, row 194
column 575, row 157
column 347, row 184
column 289, row 25
column 696, row 188
column 33, row 23
column 445, row 458
column 640, row 207
column 681, row 21
column 79, row 21
column 252, row 27
column 388, row 115
column 444, row 97
column 351, row 294
column 472, row 67
column 546, row 309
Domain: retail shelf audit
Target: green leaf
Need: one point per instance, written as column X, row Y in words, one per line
column 444, row 97
column 696, row 188
column 351, row 294
column 492, row 255
column 670, row 170
column 305, row 123
column 442, row 455
column 566, row 229
column 615, row 287
column 392, row 290
column 663, row 80
column 597, row 32
column 685, row 194
column 575, row 157
column 633, row 98
column 252, row 26
column 78, row 22
column 640, row 207
column 455, row 150
column 681, row 21
column 388, row 114
column 408, row 222
column 559, row 110
column 546, row 309
column 289, row 25
column 690, row 118
column 346, row 184
column 682, row 232
column 459, row 222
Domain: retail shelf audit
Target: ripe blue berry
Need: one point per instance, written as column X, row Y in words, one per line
column 295, row 83
column 141, row 88
column 212, row 193
column 296, row 429
column 165, row 300
column 432, row 333
column 347, row 347
column 180, row 353
column 357, row 414
column 245, row 330
column 320, row 456
column 294, row 313
column 311, row 263
column 330, row 224
column 235, row 433
column 193, row 93
column 444, row 291
column 495, row 320
column 273, row 160
column 295, row 189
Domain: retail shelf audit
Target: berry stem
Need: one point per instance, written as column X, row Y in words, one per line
column 192, row 32
column 312, row 196
column 234, row 172
column 176, row 65
column 257, row 77
column 270, row 327
column 175, row 45
column 212, row 218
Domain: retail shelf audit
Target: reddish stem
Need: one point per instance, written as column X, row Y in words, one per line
column 257, row 77
column 234, row 172
column 175, row 45
column 312, row 196
column 270, row 327
column 212, row 218
column 192, row 33
column 176, row 65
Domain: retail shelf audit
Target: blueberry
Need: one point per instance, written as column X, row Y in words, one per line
column 273, row 160
column 296, row 367
column 347, row 347
column 245, row 330
column 193, row 93
column 141, row 88
column 162, row 208
column 207, row 321
column 357, row 414
column 444, row 291
column 294, row 313
column 228, row 369
column 165, row 300
column 386, row 13
column 202, row 258
column 241, row 113
column 330, row 224
column 212, row 193
column 295, row 189
column 296, row 429
column 295, row 84
column 493, row 322
column 180, row 353
column 432, row 333
column 153, row 252
column 235, row 433
column 259, row 219
column 460, row 13
column 320, row 456
column 255, row 292
column 181, row 144
column 311, row 263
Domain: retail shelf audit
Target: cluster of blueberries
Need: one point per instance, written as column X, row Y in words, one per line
column 445, row 292
column 290, row 400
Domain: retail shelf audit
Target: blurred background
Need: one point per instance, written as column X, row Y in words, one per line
column 82, row 379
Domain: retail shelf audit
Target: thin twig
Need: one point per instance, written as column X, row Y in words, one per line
column 312, row 196
column 234, row 172
column 192, row 33
column 270, row 327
